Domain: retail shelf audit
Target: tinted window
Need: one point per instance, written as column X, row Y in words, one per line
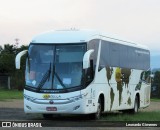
column 117, row 55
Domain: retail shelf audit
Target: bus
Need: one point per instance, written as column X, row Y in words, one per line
column 84, row 72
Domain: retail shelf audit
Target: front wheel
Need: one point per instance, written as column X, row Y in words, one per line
column 97, row 115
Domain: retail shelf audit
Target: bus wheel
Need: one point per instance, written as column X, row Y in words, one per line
column 136, row 106
column 97, row 115
column 47, row 116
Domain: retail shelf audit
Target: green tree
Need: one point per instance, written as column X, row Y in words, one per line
column 157, row 77
column 7, row 56
column 156, row 82
column 7, row 64
column 9, row 49
column 1, row 49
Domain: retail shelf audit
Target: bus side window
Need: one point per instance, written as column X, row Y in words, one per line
column 90, row 73
column 145, row 76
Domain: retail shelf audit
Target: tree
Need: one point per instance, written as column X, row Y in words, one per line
column 7, row 64
column 7, row 59
column 157, row 77
column 1, row 49
column 9, row 49
column 156, row 82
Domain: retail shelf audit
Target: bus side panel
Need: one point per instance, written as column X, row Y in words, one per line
column 122, row 66
column 102, row 87
column 120, row 86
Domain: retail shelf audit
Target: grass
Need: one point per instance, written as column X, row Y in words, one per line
column 155, row 99
column 140, row 116
column 10, row 94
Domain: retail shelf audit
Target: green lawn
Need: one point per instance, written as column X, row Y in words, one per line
column 10, row 94
column 155, row 100
column 140, row 116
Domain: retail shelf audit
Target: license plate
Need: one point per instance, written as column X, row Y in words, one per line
column 51, row 108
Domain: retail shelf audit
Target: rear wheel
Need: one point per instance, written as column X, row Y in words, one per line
column 136, row 105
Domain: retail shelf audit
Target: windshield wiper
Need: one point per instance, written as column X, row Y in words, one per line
column 60, row 81
column 47, row 76
column 44, row 78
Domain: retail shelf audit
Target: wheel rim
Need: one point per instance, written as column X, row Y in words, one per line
column 98, row 111
column 136, row 106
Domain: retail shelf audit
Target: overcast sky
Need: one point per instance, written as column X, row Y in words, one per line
column 135, row 20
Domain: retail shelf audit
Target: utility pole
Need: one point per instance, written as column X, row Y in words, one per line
column 17, row 42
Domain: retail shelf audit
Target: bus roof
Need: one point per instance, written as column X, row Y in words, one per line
column 78, row 36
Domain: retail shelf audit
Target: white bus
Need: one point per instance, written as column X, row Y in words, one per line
column 84, row 72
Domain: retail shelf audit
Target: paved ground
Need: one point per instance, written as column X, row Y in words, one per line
column 13, row 110
column 154, row 106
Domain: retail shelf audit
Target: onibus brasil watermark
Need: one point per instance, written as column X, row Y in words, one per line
column 21, row 124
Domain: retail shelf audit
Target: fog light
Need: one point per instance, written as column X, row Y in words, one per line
column 76, row 107
column 29, row 107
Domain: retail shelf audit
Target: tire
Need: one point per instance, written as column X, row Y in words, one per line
column 136, row 106
column 97, row 115
column 47, row 116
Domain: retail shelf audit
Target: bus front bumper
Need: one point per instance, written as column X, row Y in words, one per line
column 74, row 107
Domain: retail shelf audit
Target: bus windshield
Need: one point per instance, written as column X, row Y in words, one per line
column 54, row 67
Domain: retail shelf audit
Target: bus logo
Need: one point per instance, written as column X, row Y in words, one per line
column 46, row 96
column 51, row 102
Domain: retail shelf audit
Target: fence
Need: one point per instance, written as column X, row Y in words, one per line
column 5, row 81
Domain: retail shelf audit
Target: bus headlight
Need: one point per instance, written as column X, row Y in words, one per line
column 29, row 98
column 76, row 107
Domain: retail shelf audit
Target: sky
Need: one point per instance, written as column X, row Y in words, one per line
column 134, row 20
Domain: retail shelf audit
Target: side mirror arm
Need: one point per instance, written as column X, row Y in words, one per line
column 18, row 58
column 86, row 59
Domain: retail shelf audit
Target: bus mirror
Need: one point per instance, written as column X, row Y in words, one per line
column 86, row 59
column 18, row 58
